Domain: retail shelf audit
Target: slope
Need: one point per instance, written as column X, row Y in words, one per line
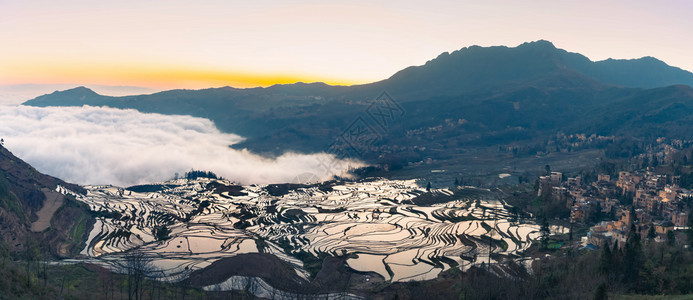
column 34, row 215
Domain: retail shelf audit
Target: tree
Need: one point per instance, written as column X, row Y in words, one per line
column 428, row 187
column 570, row 234
column 194, row 174
column 689, row 231
column 107, row 282
column 548, row 169
column 600, row 293
column 612, row 214
column 4, row 253
column 545, row 231
column 162, row 232
column 651, row 234
column 138, row 267
column 514, row 214
column 671, row 238
column 633, row 215
column 605, row 260
column 596, row 212
column 632, row 255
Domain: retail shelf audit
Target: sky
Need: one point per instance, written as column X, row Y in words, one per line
column 196, row 44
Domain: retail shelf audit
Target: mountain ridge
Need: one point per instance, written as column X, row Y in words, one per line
column 674, row 75
column 535, row 88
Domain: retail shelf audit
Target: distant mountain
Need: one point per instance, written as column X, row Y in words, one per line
column 475, row 96
column 74, row 97
column 480, row 68
column 34, row 214
column 17, row 93
column 477, row 68
column 646, row 72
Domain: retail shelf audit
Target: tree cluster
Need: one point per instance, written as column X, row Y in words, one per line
column 194, row 174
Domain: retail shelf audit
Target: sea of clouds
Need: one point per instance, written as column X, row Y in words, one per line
column 98, row 145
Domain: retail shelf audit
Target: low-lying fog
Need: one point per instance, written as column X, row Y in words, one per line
column 97, row 145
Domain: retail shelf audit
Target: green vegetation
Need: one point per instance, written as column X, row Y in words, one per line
column 502, row 244
column 78, row 231
column 75, row 219
column 198, row 210
column 82, row 281
column 162, row 233
column 194, row 174
column 554, row 245
column 80, row 223
column 652, row 297
column 572, row 274
column 311, row 263
column 30, row 276
column 8, row 200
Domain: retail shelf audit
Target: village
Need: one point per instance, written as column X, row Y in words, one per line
column 654, row 204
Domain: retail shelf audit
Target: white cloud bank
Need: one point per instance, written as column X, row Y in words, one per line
column 97, row 145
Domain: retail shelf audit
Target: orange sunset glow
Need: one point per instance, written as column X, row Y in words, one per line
column 165, row 45
column 158, row 77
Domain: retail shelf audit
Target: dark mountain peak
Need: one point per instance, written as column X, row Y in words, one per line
column 643, row 60
column 483, row 67
column 538, row 44
column 443, row 56
column 650, row 59
column 476, row 67
column 75, row 97
column 644, row 72
column 79, row 91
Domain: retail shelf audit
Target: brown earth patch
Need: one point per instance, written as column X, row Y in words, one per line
column 53, row 201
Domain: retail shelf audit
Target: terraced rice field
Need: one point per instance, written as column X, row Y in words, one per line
column 376, row 223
